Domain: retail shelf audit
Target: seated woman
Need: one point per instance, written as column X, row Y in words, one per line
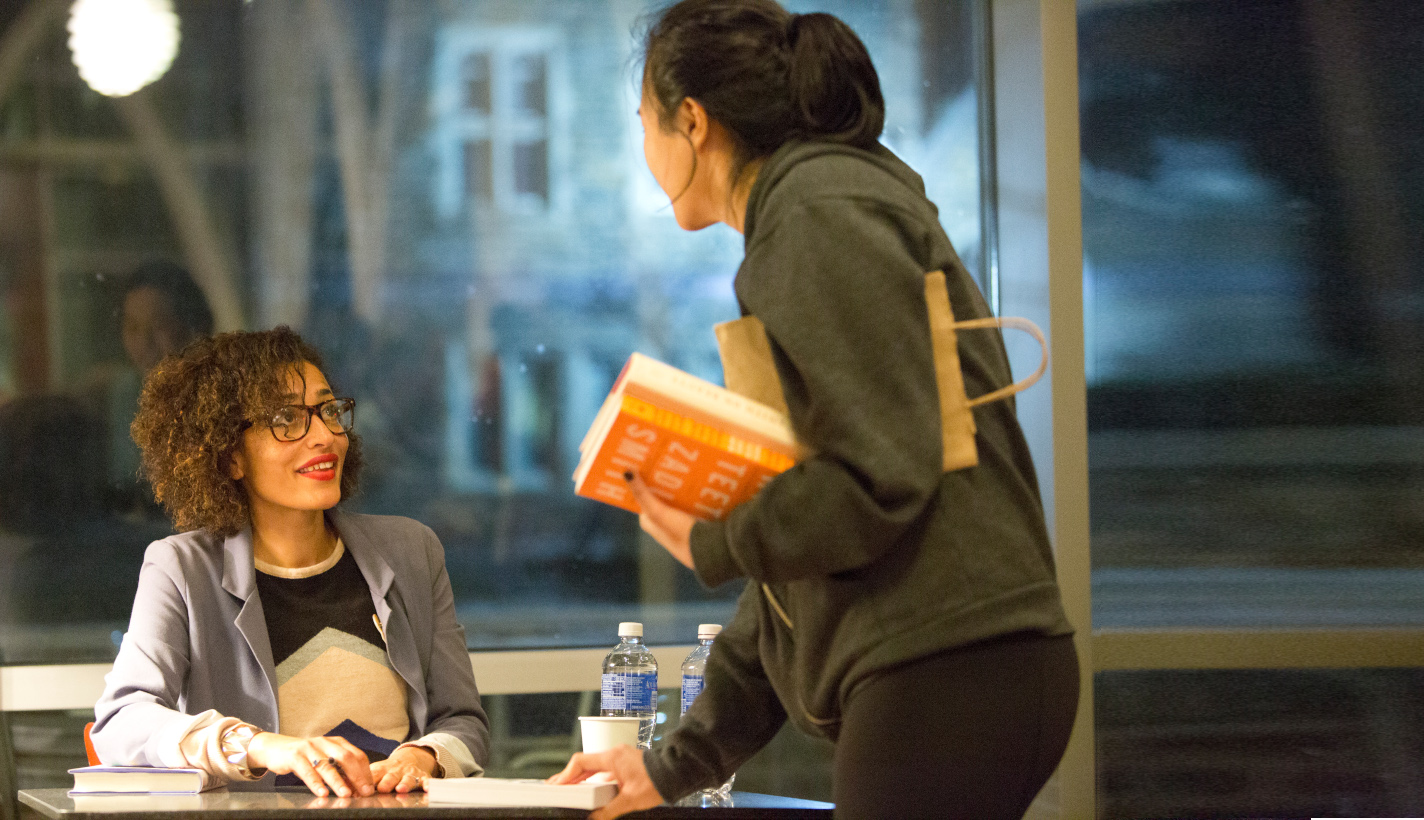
column 279, row 636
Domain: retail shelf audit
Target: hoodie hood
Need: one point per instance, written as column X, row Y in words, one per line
column 812, row 157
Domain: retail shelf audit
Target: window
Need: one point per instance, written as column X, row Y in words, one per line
column 494, row 124
column 1251, row 236
column 449, row 201
column 1252, row 293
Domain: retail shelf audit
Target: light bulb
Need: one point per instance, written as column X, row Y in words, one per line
column 121, row 46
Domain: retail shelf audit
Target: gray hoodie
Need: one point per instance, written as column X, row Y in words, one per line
column 865, row 555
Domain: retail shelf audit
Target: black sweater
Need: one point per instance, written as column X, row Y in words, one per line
column 866, row 554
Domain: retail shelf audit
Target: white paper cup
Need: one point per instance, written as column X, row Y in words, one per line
column 603, row 733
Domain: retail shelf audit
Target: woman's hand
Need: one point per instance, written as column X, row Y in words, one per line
column 325, row 764
column 667, row 524
column 625, row 764
column 405, row 770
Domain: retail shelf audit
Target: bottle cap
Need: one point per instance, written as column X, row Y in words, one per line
column 708, row 630
column 630, row 629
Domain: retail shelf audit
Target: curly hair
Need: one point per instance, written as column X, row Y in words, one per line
column 193, row 410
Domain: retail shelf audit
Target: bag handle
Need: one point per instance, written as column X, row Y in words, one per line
column 1017, row 323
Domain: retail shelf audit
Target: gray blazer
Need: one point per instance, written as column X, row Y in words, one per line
column 197, row 640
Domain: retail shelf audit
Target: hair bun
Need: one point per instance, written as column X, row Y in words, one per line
column 833, row 84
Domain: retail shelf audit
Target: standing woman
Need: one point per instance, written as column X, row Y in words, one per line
column 908, row 614
column 278, row 635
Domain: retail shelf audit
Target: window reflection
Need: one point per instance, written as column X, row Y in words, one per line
column 531, row 169
column 1252, row 292
column 504, row 120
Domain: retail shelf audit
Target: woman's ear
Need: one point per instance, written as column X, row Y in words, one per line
column 236, row 468
column 693, row 121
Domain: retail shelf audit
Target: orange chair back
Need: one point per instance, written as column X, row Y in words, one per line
column 89, row 745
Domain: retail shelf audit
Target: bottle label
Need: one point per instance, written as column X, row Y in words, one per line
column 629, row 691
column 691, row 688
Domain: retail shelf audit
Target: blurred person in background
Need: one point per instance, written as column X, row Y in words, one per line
column 161, row 310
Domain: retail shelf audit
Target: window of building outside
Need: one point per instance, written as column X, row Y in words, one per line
column 449, row 201
column 1253, row 231
column 493, row 118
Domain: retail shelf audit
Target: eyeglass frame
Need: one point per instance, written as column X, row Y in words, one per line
column 312, row 411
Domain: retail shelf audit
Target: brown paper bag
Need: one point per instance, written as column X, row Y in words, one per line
column 748, row 369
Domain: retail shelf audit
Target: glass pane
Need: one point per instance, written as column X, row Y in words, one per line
column 530, row 85
column 45, row 745
column 479, row 169
column 531, row 169
column 1317, row 743
column 477, row 83
column 1252, row 225
column 478, row 342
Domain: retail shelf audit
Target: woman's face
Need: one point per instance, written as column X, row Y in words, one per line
column 150, row 328
column 301, row 475
column 670, row 157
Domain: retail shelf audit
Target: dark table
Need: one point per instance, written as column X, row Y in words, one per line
column 298, row 804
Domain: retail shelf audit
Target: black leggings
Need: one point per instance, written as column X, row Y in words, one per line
column 972, row 732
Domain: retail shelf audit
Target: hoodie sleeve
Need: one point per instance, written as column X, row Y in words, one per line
column 736, row 714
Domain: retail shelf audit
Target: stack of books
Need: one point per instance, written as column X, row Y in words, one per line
column 139, row 780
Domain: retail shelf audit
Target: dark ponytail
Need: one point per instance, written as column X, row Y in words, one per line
column 766, row 75
column 832, row 82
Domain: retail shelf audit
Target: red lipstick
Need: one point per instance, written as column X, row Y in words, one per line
column 320, row 468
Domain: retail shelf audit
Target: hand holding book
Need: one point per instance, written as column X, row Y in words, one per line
column 624, row 764
column 669, row 526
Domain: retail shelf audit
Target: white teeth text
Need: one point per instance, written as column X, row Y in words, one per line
column 325, row 465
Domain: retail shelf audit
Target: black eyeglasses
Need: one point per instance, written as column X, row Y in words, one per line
column 292, row 422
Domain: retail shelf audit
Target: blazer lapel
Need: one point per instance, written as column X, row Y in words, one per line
column 240, row 579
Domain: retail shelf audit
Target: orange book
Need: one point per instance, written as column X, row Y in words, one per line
column 700, row 447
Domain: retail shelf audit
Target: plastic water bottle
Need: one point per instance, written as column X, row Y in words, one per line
column 630, row 682
column 694, row 676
